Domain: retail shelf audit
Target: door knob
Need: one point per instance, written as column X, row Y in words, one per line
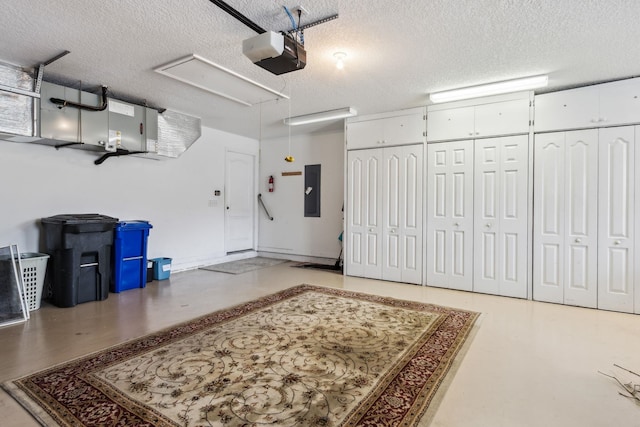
column 371, row 230
column 488, row 225
column 456, row 224
column 578, row 240
column 617, row 242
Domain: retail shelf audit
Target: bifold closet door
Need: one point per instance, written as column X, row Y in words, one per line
column 402, row 214
column 450, row 215
column 500, row 216
column 616, row 234
column 565, row 258
column 364, row 213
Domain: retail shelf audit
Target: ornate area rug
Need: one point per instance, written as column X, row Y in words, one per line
column 244, row 265
column 306, row 356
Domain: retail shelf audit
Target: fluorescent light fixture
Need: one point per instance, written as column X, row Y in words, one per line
column 323, row 116
column 213, row 78
column 496, row 88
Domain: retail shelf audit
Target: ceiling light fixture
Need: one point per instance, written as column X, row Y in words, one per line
column 496, row 88
column 340, row 56
column 196, row 71
column 322, row 116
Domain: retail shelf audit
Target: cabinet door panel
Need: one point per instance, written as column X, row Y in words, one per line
column 452, row 123
column 408, row 129
column 567, row 109
column 620, row 102
column 365, row 134
column 615, row 220
column 502, row 118
column 450, row 215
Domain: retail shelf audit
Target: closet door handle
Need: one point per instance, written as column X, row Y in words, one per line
column 488, row 225
column 456, row 224
column 617, row 242
column 578, row 240
column 371, row 230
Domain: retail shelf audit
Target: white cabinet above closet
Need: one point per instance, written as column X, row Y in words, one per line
column 479, row 118
column 388, row 129
column 607, row 104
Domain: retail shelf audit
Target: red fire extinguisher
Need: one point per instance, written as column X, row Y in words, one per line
column 271, row 184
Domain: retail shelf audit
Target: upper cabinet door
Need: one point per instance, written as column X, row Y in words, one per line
column 620, row 102
column 401, row 130
column 452, row 123
column 568, row 109
column 366, row 134
column 502, row 118
column 406, row 128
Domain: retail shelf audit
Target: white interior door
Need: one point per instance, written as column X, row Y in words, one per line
column 392, row 199
column 402, row 214
column 565, row 212
column 412, row 218
column 364, row 210
column 581, row 223
column 240, row 201
column 450, row 215
column 616, row 219
column 500, row 216
column 549, row 215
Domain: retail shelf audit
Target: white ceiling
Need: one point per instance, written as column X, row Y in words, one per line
column 397, row 51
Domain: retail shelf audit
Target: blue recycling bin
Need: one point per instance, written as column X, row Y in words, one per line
column 130, row 255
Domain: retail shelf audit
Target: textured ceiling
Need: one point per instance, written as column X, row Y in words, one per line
column 397, row 51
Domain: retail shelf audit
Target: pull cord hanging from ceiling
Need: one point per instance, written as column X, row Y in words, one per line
column 289, row 158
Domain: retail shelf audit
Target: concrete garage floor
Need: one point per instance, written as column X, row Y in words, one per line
column 530, row 363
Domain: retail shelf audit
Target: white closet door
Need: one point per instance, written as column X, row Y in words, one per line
column 392, row 196
column 581, row 218
column 616, row 219
column 548, row 224
column 412, row 218
column 565, row 218
column 450, row 215
column 402, row 215
column 500, row 213
column 364, row 207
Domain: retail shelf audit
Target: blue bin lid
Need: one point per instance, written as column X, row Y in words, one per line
column 133, row 225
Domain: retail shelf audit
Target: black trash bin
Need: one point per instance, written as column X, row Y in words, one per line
column 80, row 249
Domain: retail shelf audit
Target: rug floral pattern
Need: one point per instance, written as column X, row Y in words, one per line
column 306, row 356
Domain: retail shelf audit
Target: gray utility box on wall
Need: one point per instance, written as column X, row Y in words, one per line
column 120, row 125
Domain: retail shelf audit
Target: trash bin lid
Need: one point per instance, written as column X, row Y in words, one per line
column 74, row 219
column 81, row 223
column 133, row 225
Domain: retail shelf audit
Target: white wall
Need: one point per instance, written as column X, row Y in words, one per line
column 174, row 195
column 290, row 232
